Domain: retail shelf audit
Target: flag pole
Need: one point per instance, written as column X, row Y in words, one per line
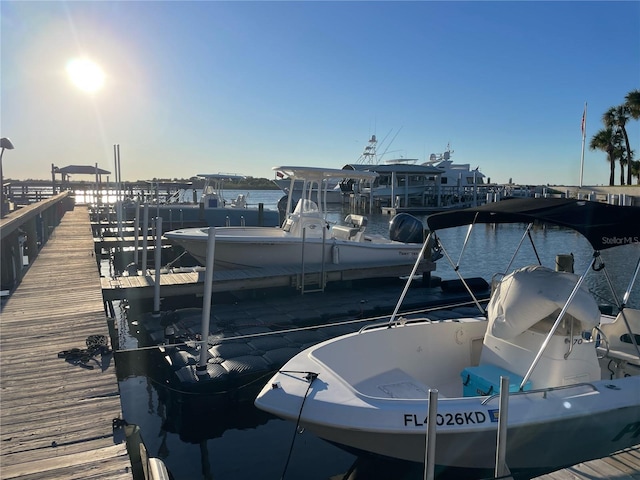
column 584, row 136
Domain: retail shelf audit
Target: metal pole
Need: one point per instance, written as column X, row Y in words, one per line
column 430, row 446
column 201, row 368
column 119, row 175
column 145, row 234
column 501, row 446
column 408, row 282
column 96, row 198
column 115, row 168
column 584, row 133
column 158, row 263
column 136, row 232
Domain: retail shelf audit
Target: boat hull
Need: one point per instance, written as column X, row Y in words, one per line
column 529, row 447
column 379, row 406
column 259, row 247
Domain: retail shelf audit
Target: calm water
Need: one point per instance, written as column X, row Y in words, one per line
column 198, row 439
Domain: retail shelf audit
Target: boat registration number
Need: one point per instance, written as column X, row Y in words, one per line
column 447, row 419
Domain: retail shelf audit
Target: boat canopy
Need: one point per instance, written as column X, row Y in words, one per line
column 398, row 168
column 603, row 225
column 318, row 174
column 511, row 311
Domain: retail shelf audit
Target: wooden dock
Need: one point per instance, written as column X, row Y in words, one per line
column 192, row 283
column 622, row 465
column 56, row 414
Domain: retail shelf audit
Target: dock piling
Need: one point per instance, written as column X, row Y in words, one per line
column 158, row 266
column 201, row 368
column 145, row 238
column 430, row 446
column 501, row 445
column 136, row 230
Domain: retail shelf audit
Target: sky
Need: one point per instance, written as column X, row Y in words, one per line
column 240, row 87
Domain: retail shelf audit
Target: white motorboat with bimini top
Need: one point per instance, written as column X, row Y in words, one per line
column 306, row 237
column 573, row 372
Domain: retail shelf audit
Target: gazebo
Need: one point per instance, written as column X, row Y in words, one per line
column 67, row 171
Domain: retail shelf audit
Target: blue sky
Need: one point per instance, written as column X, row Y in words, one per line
column 239, row 87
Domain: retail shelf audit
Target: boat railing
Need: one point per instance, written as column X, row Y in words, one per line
column 402, row 320
column 544, row 391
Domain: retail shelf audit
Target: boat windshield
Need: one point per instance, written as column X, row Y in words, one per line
column 306, row 206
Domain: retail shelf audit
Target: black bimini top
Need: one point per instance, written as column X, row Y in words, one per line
column 603, row 225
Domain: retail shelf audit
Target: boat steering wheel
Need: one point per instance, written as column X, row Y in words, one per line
column 597, row 331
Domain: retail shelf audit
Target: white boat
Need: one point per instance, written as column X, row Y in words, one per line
column 458, row 175
column 573, row 373
column 399, row 182
column 306, row 237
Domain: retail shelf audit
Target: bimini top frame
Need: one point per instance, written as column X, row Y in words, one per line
column 604, row 226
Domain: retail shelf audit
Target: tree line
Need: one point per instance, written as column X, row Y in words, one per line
column 614, row 140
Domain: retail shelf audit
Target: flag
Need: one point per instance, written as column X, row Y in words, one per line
column 584, row 119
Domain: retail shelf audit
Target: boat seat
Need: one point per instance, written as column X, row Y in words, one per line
column 342, row 232
column 356, row 221
column 620, row 344
column 355, row 224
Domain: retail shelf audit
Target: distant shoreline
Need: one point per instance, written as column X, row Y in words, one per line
column 633, row 190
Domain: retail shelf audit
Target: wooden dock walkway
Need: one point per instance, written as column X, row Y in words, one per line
column 192, row 282
column 622, row 465
column 56, row 414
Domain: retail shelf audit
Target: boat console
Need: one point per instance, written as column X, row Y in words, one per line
column 519, row 329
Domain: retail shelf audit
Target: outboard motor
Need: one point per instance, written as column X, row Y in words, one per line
column 406, row 228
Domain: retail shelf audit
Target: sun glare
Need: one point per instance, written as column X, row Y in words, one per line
column 85, row 74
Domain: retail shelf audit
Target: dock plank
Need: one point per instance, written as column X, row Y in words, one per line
column 192, row 282
column 56, row 415
column 622, row 465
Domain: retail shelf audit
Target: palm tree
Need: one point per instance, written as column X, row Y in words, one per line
column 632, row 101
column 620, row 154
column 616, row 118
column 605, row 140
column 635, row 170
column 632, row 108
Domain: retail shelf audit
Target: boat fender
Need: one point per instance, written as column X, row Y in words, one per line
column 335, row 254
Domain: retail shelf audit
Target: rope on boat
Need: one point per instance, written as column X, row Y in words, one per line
column 170, row 264
column 310, row 377
column 193, row 343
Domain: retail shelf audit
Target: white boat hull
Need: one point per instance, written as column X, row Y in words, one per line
column 379, row 405
column 256, row 247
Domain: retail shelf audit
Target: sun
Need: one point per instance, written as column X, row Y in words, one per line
column 85, row 74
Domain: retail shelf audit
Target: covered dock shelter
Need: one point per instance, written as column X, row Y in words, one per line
column 66, row 172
